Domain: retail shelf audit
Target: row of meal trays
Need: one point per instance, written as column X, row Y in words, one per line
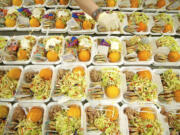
column 127, row 5
column 121, row 118
column 37, row 83
column 99, row 50
column 78, row 22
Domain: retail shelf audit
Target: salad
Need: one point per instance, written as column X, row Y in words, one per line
column 137, row 22
column 138, row 48
column 140, row 86
column 82, row 21
column 154, row 4
column 130, row 3
column 103, row 119
column 172, row 53
column 173, row 5
column 108, row 50
column 4, row 111
column 26, row 120
column 104, row 82
column 3, row 43
column 49, row 49
column 172, row 116
column 30, row 18
column 57, row 2
column 163, row 23
column 56, row 19
column 33, row 2
column 8, row 17
column 78, row 49
column 65, row 120
column 9, row 3
column 19, row 48
column 143, row 121
column 171, row 86
column 74, row 87
column 36, row 84
column 8, row 82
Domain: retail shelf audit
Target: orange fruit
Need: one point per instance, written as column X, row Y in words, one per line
column 34, row 22
column 84, row 55
column 16, row 2
column 4, row 111
column 142, row 27
column 111, row 3
column 173, row 56
column 60, row 24
column 22, row 55
column 52, row 56
column 35, row 114
column 10, row 22
column 168, row 28
column 161, row 3
column 134, row 3
column 112, row 113
column 46, row 73
column 177, row 95
column 144, row 55
column 146, row 74
column 87, row 25
column 114, row 56
column 112, row 91
column 74, row 111
column 79, row 70
column 63, row 2
column 14, row 73
column 39, row 1
column 147, row 113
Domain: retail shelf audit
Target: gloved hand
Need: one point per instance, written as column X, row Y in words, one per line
column 110, row 21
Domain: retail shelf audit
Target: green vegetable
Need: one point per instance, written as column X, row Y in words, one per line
column 165, row 17
column 3, row 42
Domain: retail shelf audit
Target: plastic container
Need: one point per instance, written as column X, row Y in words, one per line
column 33, row 5
column 105, row 97
column 7, row 68
column 123, row 2
column 176, row 3
column 64, row 98
column 25, row 107
column 35, row 68
column 46, row 61
column 19, row 38
column 122, row 121
column 136, row 69
column 57, row 5
column 137, row 62
column 77, row 61
column 159, row 117
column 63, row 105
column 157, row 73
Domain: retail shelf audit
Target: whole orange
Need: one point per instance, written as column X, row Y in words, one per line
column 168, row 28
column 16, row 2
column 22, row 55
column 87, row 25
column 60, row 24
column 142, row 27
column 145, row 74
column 177, row 95
column 161, row 3
column 14, row 73
column 46, row 73
column 63, row 2
column 144, row 55
column 114, row 56
column 147, row 113
column 10, row 22
column 39, row 1
column 111, row 3
column 74, row 111
column 112, row 91
column 34, row 22
column 52, row 56
column 173, row 56
column 84, row 55
column 112, row 113
column 35, row 114
column 79, row 70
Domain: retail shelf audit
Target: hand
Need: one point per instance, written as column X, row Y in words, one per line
column 110, row 21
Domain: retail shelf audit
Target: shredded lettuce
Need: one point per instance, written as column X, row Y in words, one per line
column 165, row 17
column 3, row 42
column 138, row 17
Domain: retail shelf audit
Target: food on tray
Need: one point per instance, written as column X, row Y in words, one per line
column 33, row 2
column 56, row 2
column 9, row 3
column 56, row 19
column 173, row 119
column 172, row 53
column 171, row 86
column 49, row 49
column 19, row 48
column 137, row 22
column 3, row 43
column 163, row 23
column 104, row 119
column 29, row 18
column 140, row 86
column 64, row 120
column 29, row 123
column 130, row 3
column 17, row 2
column 9, row 80
column 4, row 111
column 73, row 87
column 36, row 85
column 154, row 4
column 108, row 50
column 104, row 81
column 143, row 121
column 78, row 49
column 173, row 5
column 82, row 21
column 138, row 48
